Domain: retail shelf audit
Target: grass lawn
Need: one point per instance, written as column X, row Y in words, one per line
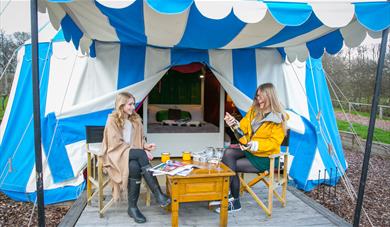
column 380, row 135
column 360, row 113
column 1, row 107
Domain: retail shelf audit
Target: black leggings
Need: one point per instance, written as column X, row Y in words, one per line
column 137, row 160
column 236, row 160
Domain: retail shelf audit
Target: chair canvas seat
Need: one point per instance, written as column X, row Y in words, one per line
column 96, row 149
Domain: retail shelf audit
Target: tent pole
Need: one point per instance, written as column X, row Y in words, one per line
column 36, row 111
column 374, row 107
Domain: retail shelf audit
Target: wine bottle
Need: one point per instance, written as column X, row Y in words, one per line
column 239, row 134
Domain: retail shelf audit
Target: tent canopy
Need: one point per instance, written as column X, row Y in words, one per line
column 297, row 28
column 236, row 39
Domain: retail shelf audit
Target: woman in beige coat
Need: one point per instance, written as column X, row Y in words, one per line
column 127, row 156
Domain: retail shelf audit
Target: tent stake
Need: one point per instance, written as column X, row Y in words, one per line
column 374, row 107
column 36, row 112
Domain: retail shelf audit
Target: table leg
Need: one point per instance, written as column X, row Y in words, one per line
column 223, row 218
column 175, row 213
column 174, row 204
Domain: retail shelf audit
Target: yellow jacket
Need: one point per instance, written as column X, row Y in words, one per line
column 270, row 135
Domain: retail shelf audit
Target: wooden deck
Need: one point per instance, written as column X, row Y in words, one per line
column 299, row 212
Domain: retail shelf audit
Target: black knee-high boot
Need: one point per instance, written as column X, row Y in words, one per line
column 152, row 182
column 133, row 189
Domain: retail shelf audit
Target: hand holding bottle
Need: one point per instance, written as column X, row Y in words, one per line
column 229, row 119
column 235, row 127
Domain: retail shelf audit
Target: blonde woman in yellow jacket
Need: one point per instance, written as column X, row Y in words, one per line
column 264, row 129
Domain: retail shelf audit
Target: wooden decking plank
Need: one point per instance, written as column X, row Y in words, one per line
column 297, row 213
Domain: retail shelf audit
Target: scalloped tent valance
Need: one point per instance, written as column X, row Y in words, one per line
column 297, row 28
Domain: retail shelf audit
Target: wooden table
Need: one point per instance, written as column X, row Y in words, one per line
column 208, row 183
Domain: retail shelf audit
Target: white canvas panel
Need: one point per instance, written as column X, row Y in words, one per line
column 65, row 66
column 77, row 154
column 317, row 165
column 333, row 15
column 162, row 29
column 269, row 70
column 295, row 76
column 91, row 20
column 157, row 60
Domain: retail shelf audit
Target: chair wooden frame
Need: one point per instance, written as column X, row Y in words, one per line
column 96, row 179
column 270, row 183
column 269, row 179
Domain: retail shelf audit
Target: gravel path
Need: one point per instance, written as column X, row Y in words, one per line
column 382, row 124
column 18, row 213
column 376, row 196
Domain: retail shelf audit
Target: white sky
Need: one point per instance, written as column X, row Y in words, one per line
column 16, row 17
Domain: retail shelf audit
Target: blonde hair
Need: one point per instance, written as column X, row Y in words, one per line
column 118, row 113
column 268, row 91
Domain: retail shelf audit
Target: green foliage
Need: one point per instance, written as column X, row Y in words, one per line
column 380, row 135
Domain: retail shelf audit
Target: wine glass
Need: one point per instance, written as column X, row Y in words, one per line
column 218, row 154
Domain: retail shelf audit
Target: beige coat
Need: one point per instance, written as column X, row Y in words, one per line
column 116, row 154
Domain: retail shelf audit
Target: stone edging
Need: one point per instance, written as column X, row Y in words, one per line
column 332, row 217
column 349, row 141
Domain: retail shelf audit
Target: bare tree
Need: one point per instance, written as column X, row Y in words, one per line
column 353, row 70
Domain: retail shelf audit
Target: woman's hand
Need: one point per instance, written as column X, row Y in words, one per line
column 251, row 146
column 245, row 147
column 150, row 156
column 149, row 146
column 229, row 119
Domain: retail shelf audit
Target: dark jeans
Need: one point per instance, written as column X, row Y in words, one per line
column 236, row 160
column 137, row 160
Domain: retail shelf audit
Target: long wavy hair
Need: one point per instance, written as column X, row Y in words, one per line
column 118, row 113
column 268, row 91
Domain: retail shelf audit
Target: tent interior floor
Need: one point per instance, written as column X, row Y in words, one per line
column 298, row 212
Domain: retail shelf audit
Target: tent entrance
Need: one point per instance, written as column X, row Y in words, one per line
column 184, row 110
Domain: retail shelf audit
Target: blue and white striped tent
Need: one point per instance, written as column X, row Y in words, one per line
column 130, row 45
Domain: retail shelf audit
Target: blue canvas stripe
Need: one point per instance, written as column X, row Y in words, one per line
column 59, row 36
column 187, row 56
column 169, row 7
column 55, row 150
column 290, row 32
column 303, row 148
column 131, row 65
column 205, row 33
column 92, row 50
column 373, row 15
column 320, row 102
column 71, row 31
column 289, row 14
column 332, row 43
column 52, row 196
column 67, row 131
column 72, row 129
column 128, row 22
column 244, row 71
column 18, row 148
